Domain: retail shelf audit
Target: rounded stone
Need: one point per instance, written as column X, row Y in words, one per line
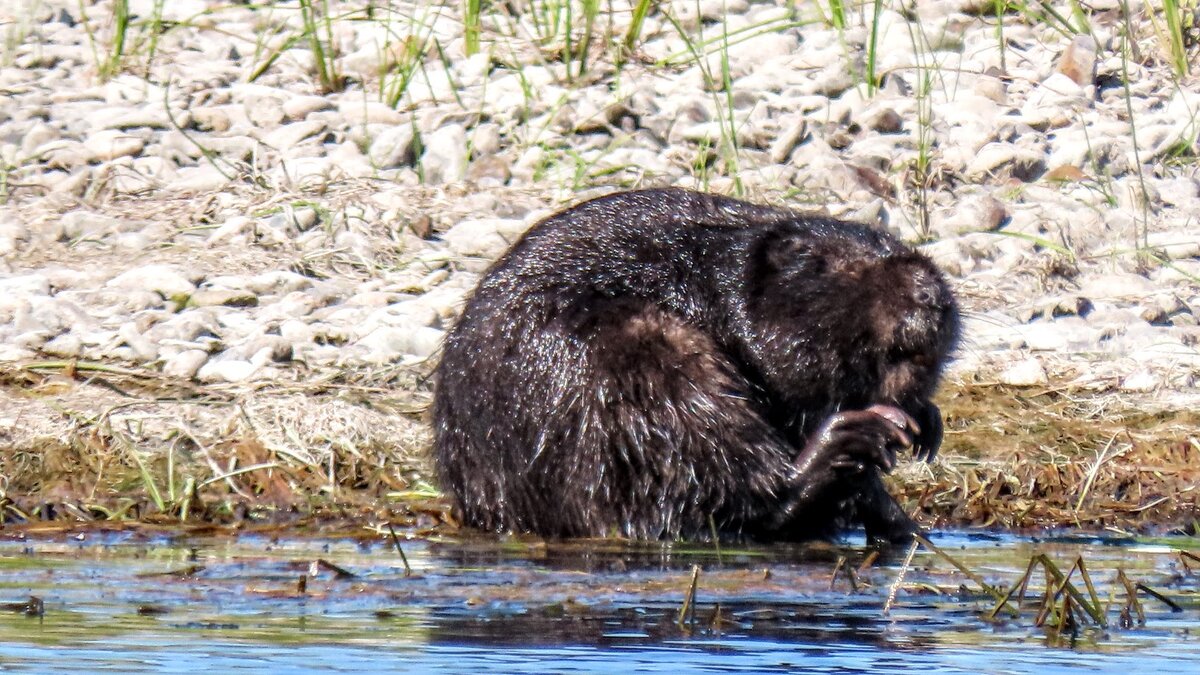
column 162, row 279
column 226, row 371
column 68, row 346
column 185, row 364
column 445, row 156
column 109, row 144
column 1027, row 372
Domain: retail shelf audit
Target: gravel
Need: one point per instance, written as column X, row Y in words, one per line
column 185, row 220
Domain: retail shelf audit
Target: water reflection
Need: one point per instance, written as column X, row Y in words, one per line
column 484, row 606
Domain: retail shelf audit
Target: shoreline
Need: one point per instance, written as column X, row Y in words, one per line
column 212, row 256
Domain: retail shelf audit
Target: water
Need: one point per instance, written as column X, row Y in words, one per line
column 125, row 603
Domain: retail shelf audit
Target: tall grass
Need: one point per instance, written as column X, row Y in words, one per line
column 1140, row 234
column 837, row 14
column 155, row 29
column 1173, row 16
column 1041, row 12
column 591, row 9
column 634, row 33
column 561, row 30
column 1001, row 9
column 726, row 39
column 321, row 43
column 728, row 145
column 923, row 170
column 872, row 49
column 471, row 25
column 571, row 32
column 108, row 63
column 16, row 31
column 924, row 162
column 406, row 56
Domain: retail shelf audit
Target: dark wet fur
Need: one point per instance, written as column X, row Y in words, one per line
column 647, row 363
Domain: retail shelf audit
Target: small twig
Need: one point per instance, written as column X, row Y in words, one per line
column 987, row 588
column 715, row 622
column 837, row 567
column 1131, row 599
column 891, row 597
column 182, row 573
column 1101, row 458
column 688, row 610
column 1159, row 596
column 1066, row 618
column 209, row 155
column 712, row 526
column 1087, row 581
column 1156, row 502
column 846, row 571
column 1021, row 584
column 33, row 607
column 1063, row 582
column 93, row 366
column 238, row 472
column 400, row 550
column 338, row 571
column 1047, row 599
column 868, row 561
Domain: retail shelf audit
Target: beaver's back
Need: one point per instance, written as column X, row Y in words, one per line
column 618, row 361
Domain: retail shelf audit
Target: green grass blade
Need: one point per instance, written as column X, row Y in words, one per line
column 471, row 25
column 634, row 33
column 1174, row 16
column 872, row 49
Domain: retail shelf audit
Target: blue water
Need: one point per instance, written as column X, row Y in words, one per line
column 122, row 604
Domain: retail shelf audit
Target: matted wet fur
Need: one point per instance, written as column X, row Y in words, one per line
column 657, row 363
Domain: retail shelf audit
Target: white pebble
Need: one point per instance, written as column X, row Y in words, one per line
column 226, row 371
column 1024, row 373
column 185, row 364
column 163, row 279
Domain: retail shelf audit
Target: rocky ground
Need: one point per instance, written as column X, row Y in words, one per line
column 212, row 254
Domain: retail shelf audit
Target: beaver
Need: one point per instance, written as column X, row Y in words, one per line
column 669, row 364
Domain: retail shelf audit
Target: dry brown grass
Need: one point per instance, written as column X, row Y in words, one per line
column 103, row 443
column 1057, row 457
column 92, row 442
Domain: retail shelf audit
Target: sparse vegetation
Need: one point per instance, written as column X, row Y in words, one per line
column 305, row 188
column 438, row 63
column 1053, row 459
column 318, row 31
column 109, row 57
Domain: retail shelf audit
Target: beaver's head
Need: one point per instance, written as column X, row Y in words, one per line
column 846, row 316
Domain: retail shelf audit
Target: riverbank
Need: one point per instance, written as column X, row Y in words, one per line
column 231, row 246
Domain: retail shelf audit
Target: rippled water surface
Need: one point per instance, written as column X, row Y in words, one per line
column 125, row 602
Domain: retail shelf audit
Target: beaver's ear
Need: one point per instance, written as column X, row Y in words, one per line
column 789, row 251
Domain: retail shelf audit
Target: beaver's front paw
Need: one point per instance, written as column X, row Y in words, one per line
column 929, row 437
column 848, row 443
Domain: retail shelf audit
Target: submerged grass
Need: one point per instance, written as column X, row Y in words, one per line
column 1062, row 608
column 472, row 25
column 654, row 592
